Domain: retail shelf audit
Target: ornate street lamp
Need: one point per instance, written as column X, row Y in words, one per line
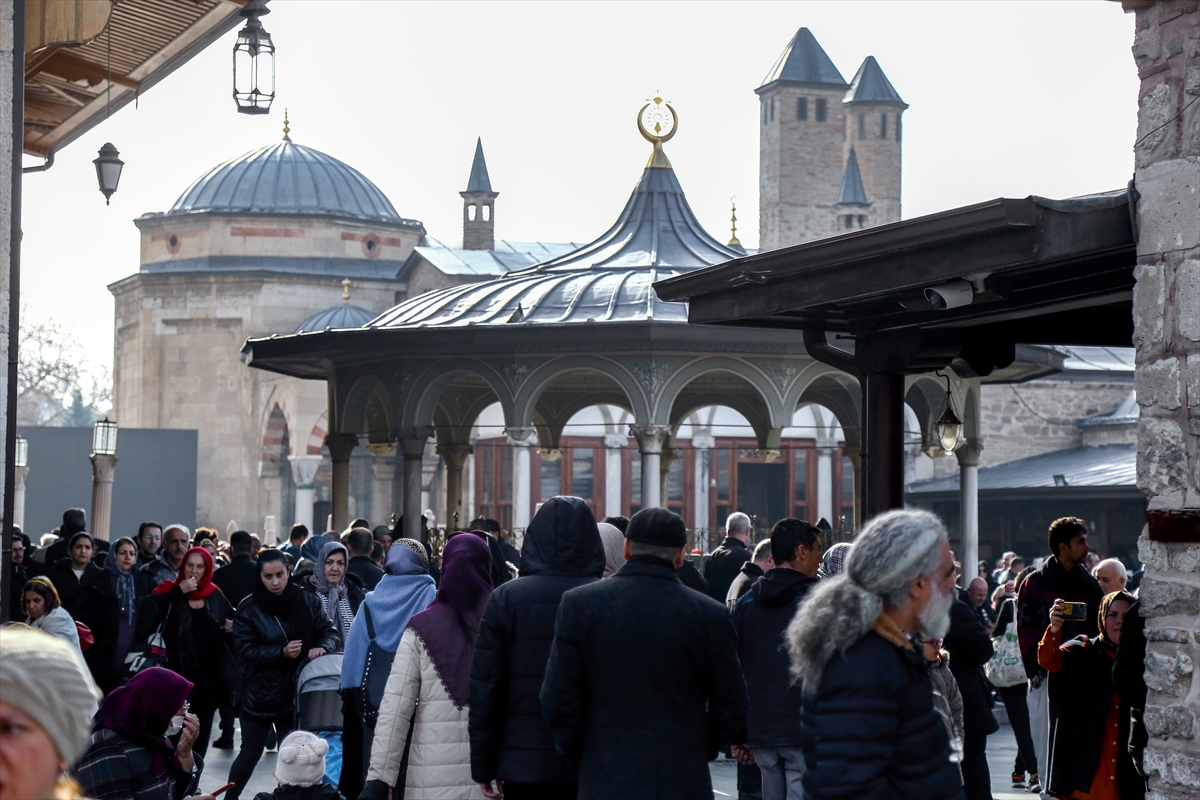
column 108, row 170
column 949, row 426
column 104, row 438
column 254, row 63
column 20, row 472
column 104, row 464
column 21, row 452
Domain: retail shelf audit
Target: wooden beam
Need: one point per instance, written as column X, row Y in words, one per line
column 71, row 67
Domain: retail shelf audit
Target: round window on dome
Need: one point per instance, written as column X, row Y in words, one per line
column 173, row 244
column 371, row 246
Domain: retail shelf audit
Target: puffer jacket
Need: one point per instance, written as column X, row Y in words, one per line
column 266, row 677
column 439, row 760
column 947, row 699
column 509, row 738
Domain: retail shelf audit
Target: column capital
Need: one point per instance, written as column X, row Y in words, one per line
column 520, row 437
column 341, row 445
column 413, row 440
column 304, row 469
column 968, row 454
column 704, row 441
column 650, row 438
column 826, row 447
column 103, row 468
column 455, row 455
column 615, row 441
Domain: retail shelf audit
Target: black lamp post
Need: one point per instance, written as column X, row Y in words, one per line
column 254, row 63
column 108, row 170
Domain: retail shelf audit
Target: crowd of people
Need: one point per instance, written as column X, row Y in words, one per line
column 596, row 661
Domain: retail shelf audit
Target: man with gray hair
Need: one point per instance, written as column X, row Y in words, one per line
column 176, row 540
column 727, row 559
column 1111, row 575
column 869, row 727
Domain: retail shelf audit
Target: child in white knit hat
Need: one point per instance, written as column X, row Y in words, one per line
column 299, row 770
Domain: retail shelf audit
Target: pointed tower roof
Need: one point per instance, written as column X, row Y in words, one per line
column 852, row 193
column 803, row 61
column 870, row 85
column 479, row 181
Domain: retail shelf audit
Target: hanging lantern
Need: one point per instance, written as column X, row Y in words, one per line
column 949, row 426
column 108, row 170
column 104, row 438
column 254, row 63
column 21, row 452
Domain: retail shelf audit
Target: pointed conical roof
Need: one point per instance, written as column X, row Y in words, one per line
column 479, row 181
column 852, row 192
column 870, row 85
column 803, row 61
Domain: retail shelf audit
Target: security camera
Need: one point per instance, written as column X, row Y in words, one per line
column 950, row 295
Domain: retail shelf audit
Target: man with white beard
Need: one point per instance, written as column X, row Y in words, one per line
column 868, row 726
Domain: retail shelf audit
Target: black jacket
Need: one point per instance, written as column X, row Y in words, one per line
column 747, row 575
column 266, row 677
column 509, row 738
column 690, row 577
column 970, row 647
column 70, row 588
column 103, row 616
column 723, row 566
column 643, row 684
column 870, row 729
column 366, row 571
column 237, row 578
column 1129, row 680
column 172, row 609
column 760, row 618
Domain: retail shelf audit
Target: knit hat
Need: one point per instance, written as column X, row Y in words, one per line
column 45, row 677
column 657, row 526
column 301, row 759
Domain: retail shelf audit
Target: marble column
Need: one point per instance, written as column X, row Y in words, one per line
column 304, row 472
column 704, row 446
column 19, row 474
column 412, row 443
column 341, row 445
column 455, row 457
column 669, row 454
column 651, row 439
column 613, row 444
column 521, row 439
column 103, row 468
column 383, row 473
column 968, row 492
column 854, row 454
column 825, row 454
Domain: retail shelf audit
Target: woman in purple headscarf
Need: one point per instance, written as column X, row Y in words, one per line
column 430, row 676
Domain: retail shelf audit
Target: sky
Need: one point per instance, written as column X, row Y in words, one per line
column 1006, row 99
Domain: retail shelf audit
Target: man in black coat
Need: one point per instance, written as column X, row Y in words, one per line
column 359, row 542
column 510, row 743
column 750, row 572
column 236, row 579
column 643, row 686
column 970, row 647
column 727, row 559
column 74, row 520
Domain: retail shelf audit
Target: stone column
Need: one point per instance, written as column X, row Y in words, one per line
column 704, row 446
column 19, row 474
column 304, row 471
column 383, row 473
column 613, row 444
column 1166, row 333
column 455, row 457
column 853, row 453
column 521, row 439
column 650, row 439
column 669, row 454
column 825, row 453
column 341, row 445
column 968, row 505
column 103, row 468
column 412, row 443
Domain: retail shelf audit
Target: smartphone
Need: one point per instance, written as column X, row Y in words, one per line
column 223, row 789
column 1074, row 610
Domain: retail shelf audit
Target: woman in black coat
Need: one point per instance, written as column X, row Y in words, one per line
column 111, row 600
column 70, row 573
column 276, row 631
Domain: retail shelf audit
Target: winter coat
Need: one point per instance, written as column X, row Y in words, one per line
column 946, row 698
column 690, row 577
column 266, row 677
column 114, row 768
column 103, row 615
column 366, row 571
column 509, row 738
column 172, row 609
column 318, row 791
column 1038, row 592
column 236, row 579
column 760, row 618
column 159, row 570
column 1129, row 680
column 69, row 588
column 970, row 647
column 723, row 566
column 439, row 759
column 870, row 729
column 643, row 685
column 747, row 575
column 57, row 622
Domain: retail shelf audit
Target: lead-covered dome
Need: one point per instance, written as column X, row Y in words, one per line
column 287, row 178
column 336, row 318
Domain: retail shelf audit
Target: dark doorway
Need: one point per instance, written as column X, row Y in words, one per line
column 760, row 493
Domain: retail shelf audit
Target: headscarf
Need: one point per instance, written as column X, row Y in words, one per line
column 416, row 547
column 141, row 711
column 319, row 580
column 288, row 605
column 405, row 561
column 832, row 563
column 1105, row 603
column 334, row 596
column 126, row 585
column 614, row 548
column 448, row 627
column 204, row 587
column 311, row 549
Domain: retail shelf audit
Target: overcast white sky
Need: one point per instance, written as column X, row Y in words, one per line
column 1007, row 99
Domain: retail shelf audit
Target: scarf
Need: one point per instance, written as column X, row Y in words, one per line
column 126, row 587
column 614, row 548
column 290, row 610
column 1105, row 603
column 393, row 603
column 405, row 560
column 334, row 596
column 311, row 549
column 834, row 561
column 448, row 627
column 141, row 711
column 204, row 587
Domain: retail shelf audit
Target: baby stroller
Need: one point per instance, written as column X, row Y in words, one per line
column 319, row 708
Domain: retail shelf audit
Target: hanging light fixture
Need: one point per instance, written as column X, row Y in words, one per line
column 254, row 63
column 21, row 452
column 104, row 438
column 108, row 170
column 949, row 426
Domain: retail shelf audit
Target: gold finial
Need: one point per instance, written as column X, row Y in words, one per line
column 286, row 129
column 345, row 290
column 733, row 240
column 657, row 122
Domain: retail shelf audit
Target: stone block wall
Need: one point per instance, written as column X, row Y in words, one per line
column 1166, row 51
column 878, row 157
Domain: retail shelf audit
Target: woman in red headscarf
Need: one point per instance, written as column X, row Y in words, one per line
column 195, row 620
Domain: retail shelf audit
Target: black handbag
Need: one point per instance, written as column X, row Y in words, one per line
column 153, row 652
column 374, row 676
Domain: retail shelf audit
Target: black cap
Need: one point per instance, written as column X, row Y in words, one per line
column 657, row 526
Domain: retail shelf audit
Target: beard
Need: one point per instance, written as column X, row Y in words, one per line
column 934, row 618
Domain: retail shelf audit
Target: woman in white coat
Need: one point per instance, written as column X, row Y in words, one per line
column 430, row 676
column 44, row 611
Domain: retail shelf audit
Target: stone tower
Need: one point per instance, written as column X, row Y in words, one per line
column 874, row 130
column 801, row 132
column 479, row 201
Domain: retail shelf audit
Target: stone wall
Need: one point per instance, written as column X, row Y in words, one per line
column 1167, row 337
column 878, row 157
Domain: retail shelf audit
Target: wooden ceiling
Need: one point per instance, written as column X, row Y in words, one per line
column 73, row 48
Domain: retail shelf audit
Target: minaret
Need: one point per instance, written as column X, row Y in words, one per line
column 873, row 127
column 852, row 205
column 479, row 224
column 800, row 145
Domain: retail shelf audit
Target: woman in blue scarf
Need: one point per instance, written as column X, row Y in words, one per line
column 112, row 599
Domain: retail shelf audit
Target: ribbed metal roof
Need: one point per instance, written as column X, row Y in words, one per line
column 1107, row 465
column 870, row 85
column 336, row 317
column 287, row 178
column 804, row 61
column 852, row 192
column 609, row 280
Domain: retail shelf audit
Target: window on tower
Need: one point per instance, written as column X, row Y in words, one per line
column 487, row 212
column 772, row 109
column 897, row 127
column 862, row 221
column 862, row 126
column 802, row 108
column 764, row 112
column 883, row 125
column 821, row 109
column 849, row 221
column 471, row 213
